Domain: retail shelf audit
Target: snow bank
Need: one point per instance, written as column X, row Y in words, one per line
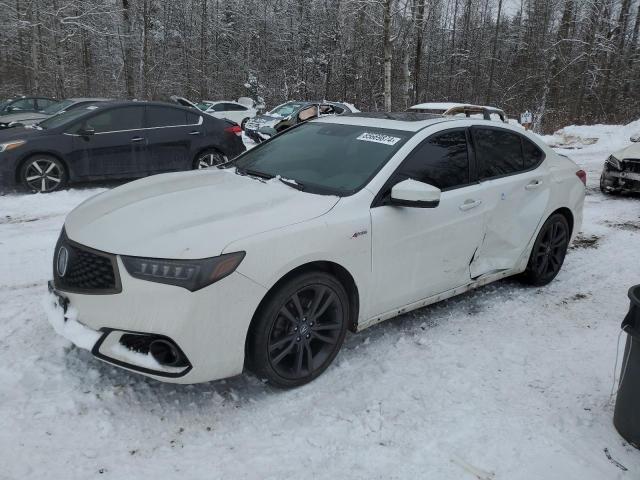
column 609, row 137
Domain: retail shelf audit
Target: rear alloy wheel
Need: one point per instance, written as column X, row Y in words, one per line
column 300, row 330
column 43, row 174
column 208, row 159
column 549, row 250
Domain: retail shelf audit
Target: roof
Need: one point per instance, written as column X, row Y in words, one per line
column 408, row 121
column 84, row 99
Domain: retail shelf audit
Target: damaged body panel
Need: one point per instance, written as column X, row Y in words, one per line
column 621, row 172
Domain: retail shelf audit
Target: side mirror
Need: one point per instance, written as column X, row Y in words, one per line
column 86, row 132
column 411, row 193
column 635, row 138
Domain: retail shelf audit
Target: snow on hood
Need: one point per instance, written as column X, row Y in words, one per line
column 189, row 215
column 632, row 151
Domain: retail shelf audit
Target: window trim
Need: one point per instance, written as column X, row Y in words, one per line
column 381, row 199
column 523, row 138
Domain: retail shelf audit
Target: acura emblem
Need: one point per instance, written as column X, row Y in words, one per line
column 63, row 261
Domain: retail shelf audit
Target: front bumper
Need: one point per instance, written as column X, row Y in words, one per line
column 620, row 180
column 209, row 325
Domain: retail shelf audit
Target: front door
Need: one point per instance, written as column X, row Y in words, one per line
column 116, row 145
column 420, row 252
column 516, row 193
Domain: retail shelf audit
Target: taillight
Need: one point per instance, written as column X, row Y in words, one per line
column 582, row 175
column 234, row 129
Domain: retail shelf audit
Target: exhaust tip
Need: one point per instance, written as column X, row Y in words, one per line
column 166, row 353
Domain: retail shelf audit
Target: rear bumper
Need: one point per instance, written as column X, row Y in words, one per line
column 209, row 326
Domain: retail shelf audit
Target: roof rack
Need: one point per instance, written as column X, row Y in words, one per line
column 458, row 108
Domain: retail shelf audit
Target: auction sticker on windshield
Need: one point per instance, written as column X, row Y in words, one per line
column 378, row 138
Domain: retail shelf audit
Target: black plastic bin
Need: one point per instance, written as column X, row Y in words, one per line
column 626, row 417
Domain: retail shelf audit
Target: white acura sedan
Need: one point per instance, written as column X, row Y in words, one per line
column 336, row 224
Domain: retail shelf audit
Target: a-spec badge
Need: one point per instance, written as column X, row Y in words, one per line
column 359, row 234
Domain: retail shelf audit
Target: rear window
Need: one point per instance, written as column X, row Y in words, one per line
column 165, row 117
column 499, row 152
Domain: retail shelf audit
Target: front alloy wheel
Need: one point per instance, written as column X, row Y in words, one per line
column 208, row 159
column 300, row 330
column 549, row 250
column 43, row 174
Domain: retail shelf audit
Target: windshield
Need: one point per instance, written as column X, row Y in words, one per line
column 66, row 117
column 285, row 109
column 324, row 157
column 203, row 106
column 57, row 107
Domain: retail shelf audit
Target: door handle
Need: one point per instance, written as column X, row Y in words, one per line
column 195, row 132
column 137, row 139
column 533, row 185
column 469, row 204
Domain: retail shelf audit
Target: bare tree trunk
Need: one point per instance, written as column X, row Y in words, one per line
column 388, row 54
column 418, row 58
column 127, row 54
column 204, row 24
column 494, row 51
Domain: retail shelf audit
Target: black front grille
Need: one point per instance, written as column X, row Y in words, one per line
column 87, row 270
column 632, row 166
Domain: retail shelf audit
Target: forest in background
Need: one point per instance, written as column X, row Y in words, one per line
column 568, row 61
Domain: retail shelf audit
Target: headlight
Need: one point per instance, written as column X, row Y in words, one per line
column 190, row 274
column 5, row 147
column 614, row 162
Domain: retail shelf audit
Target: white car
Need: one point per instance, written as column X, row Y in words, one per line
column 234, row 111
column 335, row 225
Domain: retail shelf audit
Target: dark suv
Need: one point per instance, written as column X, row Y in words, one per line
column 114, row 140
column 263, row 127
column 25, row 104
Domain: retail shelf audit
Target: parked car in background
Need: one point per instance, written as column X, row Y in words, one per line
column 621, row 172
column 31, row 118
column 335, row 224
column 25, row 104
column 461, row 109
column 265, row 126
column 120, row 139
column 231, row 110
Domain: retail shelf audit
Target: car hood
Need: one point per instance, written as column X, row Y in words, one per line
column 189, row 215
column 266, row 120
column 21, row 133
column 632, row 151
column 21, row 117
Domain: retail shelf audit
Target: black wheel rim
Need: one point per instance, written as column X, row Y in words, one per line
column 551, row 250
column 43, row 175
column 209, row 160
column 306, row 332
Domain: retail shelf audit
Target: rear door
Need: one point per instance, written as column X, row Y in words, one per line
column 116, row 148
column 172, row 134
column 516, row 192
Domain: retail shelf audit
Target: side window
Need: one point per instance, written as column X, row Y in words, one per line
column 45, row 103
column 165, row 116
column 23, row 104
column 116, row 119
column 532, row 154
column 308, row 113
column 442, row 161
column 499, row 152
column 218, row 107
column 234, row 107
column 193, row 118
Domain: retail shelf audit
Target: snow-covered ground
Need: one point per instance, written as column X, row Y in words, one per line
column 506, row 382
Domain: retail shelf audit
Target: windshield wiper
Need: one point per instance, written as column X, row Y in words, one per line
column 253, row 173
column 292, row 183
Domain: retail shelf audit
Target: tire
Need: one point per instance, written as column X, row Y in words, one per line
column 548, row 252
column 43, row 174
column 208, row 159
column 298, row 330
